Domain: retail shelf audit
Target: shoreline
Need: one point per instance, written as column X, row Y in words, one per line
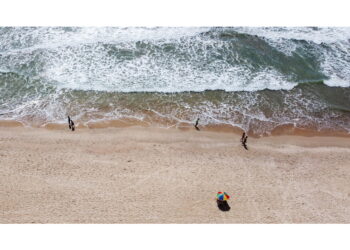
column 150, row 175
column 280, row 130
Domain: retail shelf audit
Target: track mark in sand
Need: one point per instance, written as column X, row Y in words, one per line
column 252, row 204
column 144, row 179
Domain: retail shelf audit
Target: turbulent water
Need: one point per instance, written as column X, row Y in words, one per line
column 252, row 78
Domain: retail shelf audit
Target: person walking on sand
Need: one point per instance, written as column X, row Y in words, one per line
column 71, row 124
column 244, row 140
column 243, row 136
column 196, row 125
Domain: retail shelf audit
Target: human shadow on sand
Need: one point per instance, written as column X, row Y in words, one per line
column 223, row 206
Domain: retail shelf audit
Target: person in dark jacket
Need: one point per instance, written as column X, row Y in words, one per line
column 196, row 125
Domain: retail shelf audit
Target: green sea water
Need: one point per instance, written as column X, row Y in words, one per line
column 252, row 78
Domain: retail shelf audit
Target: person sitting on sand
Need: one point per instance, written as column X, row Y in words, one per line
column 196, row 125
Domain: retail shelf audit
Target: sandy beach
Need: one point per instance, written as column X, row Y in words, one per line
column 149, row 175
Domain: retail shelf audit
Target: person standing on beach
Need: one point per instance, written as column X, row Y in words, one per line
column 244, row 140
column 243, row 136
column 71, row 124
column 196, row 125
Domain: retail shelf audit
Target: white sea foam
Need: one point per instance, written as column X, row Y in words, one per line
column 76, row 58
column 314, row 34
column 31, row 39
column 335, row 64
column 51, row 62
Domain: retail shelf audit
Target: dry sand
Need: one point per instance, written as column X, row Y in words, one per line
column 147, row 175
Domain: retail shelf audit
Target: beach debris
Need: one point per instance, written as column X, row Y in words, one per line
column 71, row 124
column 244, row 140
column 196, row 125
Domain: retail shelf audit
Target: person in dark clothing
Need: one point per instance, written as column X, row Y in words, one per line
column 243, row 136
column 196, row 125
column 71, row 124
column 245, row 146
column 244, row 141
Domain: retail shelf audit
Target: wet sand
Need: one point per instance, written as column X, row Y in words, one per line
column 148, row 175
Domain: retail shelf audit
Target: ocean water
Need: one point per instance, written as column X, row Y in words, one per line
column 256, row 79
